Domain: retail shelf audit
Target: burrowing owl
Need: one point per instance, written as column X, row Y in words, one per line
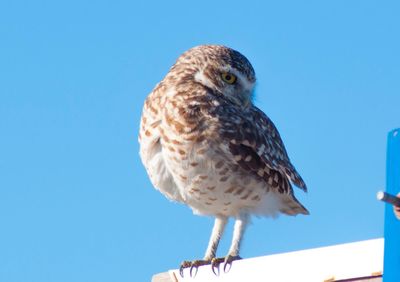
column 206, row 145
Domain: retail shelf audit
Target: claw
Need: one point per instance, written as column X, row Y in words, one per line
column 228, row 262
column 215, row 270
column 184, row 265
column 215, row 263
column 194, row 266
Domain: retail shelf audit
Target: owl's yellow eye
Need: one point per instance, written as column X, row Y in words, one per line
column 228, row 77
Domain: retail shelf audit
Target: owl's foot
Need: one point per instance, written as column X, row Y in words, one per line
column 215, row 263
column 228, row 262
column 193, row 265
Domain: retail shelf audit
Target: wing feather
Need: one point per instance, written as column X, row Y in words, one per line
column 256, row 145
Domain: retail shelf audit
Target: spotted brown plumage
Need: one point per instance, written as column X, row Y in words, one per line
column 206, row 145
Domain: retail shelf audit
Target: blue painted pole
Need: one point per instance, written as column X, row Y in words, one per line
column 391, row 269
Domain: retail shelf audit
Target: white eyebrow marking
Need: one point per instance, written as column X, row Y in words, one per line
column 200, row 77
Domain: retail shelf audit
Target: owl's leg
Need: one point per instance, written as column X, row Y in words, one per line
column 238, row 231
column 218, row 229
column 233, row 254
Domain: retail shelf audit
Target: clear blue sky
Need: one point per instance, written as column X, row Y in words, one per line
column 75, row 202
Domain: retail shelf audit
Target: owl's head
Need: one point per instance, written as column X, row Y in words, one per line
column 218, row 68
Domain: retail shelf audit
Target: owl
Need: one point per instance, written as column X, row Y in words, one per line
column 205, row 144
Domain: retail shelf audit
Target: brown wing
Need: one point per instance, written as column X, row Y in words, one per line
column 257, row 146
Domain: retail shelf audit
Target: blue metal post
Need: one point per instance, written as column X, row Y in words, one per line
column 391, row 269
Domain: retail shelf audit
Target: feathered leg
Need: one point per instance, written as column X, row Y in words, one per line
column 218, row 230
column 233, row 254
column 238, row 231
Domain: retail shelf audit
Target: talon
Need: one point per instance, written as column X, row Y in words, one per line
column 228, row 262
column 215, row 269
column 194, row 266
column 226, row 269
column 215, row 263
column 184, row 265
